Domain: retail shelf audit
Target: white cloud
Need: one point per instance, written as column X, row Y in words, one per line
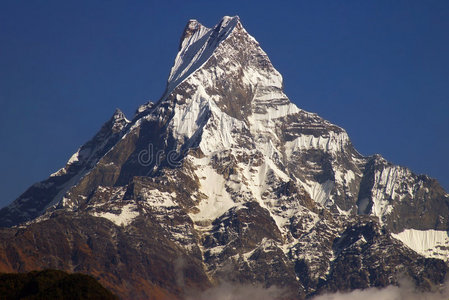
column 405, row 291
column 232, row 291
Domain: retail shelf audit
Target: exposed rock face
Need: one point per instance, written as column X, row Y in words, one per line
column 225, row 179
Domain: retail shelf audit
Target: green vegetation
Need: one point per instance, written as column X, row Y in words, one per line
column 51, row 284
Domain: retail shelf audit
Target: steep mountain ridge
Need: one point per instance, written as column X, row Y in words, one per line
column 42, row 195
column 230, row 176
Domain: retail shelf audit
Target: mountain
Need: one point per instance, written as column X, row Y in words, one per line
column 225, row 181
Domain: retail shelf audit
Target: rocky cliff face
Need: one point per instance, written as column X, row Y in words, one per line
column 225, row 179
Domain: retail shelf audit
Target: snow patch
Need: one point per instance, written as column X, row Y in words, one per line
column 319, row 192
column 429, row 243
column 156, row 198
column 126, row 215
column 333, row 142
column 217, row 200
column 390, row 184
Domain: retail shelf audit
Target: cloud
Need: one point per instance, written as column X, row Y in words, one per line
column 405, row 291
column 179, row 266
column 232, row 291
column 228, row 290
column 225, row 290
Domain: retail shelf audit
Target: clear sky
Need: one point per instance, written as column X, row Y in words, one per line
column 379, row 69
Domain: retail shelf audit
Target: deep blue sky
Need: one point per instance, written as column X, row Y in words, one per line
column 379, row 69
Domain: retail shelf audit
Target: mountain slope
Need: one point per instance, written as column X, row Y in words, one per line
column 225, row 179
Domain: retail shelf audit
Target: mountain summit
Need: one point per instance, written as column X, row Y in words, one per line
column 224, row 179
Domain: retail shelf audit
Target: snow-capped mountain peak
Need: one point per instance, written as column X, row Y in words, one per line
column 197, row 45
